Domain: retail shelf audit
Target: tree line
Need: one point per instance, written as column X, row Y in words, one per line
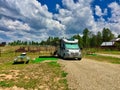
column 88, row 39
column 54, row 41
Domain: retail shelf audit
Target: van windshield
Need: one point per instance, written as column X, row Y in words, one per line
column 71, row 46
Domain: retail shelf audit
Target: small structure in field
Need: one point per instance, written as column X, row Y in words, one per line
column 114, row 44
column 22, row 58
column 2, row 44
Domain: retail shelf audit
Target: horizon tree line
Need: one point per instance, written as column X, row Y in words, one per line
column 89, row 39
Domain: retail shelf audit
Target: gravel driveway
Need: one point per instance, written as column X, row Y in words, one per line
column 92, row 75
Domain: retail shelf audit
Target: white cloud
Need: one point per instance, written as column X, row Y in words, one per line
column 29, row 20
column 115, row 12
column 57, row 6
column 76, row 16
column 113, row 22
column 26, row 19
column 98, row 11
column 13, row 25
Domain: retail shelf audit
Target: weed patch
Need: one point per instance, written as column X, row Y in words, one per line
column 64, row 74
column 5, row 84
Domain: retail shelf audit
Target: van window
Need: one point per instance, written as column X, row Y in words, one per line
column 71, row 46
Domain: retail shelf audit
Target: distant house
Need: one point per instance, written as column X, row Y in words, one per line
column 113, row 44
column 3, row 44
column 116, row 40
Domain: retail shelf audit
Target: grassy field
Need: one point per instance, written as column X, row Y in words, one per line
column 91, row 53
column 110, row 52
column 98, row 50
column 41, row 75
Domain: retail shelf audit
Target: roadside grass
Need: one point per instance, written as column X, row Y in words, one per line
column 99, row 50
column 40, row 76
column 103, row 58
column 109, row 52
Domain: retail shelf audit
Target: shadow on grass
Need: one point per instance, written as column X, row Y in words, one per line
column 48, row 57
column 72, row 59
column 21, row 62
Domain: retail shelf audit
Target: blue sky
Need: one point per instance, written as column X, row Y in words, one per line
column 39, row 19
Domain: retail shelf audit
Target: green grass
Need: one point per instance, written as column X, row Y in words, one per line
column 6, row 84
column 64, row 74
column 104, row 58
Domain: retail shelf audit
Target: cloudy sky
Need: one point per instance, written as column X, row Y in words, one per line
column 39, row 19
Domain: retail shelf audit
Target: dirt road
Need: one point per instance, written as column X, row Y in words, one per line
column 92, row 75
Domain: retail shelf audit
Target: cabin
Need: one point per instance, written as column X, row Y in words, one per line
column 114, row 44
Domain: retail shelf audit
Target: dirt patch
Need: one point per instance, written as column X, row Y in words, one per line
column 9, row 75
column 12, row 88
column 92, row 75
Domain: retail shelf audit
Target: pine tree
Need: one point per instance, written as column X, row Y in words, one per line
column 99, row 39
column 85, row 38
column 107, row 35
